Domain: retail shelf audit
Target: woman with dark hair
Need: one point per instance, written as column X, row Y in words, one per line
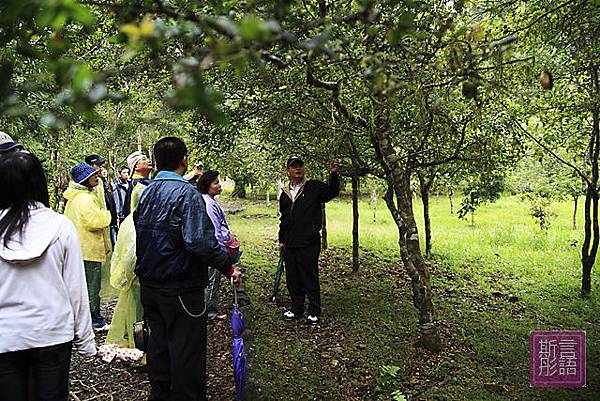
column 210, row 186
column 90, row 219
column 43, row 298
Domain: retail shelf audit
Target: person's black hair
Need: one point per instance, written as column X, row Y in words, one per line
column 124, row 168
column 169, row 153
column 206, row 179
column 23, row 183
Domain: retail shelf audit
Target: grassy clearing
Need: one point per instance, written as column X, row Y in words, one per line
column 494, row 282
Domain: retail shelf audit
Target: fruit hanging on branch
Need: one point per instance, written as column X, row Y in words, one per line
column 546, row 80
column 469, row 89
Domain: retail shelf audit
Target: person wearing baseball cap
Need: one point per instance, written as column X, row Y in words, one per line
column 7, row 144
column 90, row 219
column 95, row 161
column 299, row 239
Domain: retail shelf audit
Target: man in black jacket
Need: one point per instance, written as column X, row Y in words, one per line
column 175, row 244
column 299, row 239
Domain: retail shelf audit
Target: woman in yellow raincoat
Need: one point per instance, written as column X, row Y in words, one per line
column 122, row 276
column 90, row 220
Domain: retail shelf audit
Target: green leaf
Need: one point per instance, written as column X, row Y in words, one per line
column 227, row 25
column 81, row 14
column 398, row 396
column 405, row 26
column 58, row 45
column 56, row 13
column 372, row 30
column 82, row 78
column 196, row 95
column 253, row 28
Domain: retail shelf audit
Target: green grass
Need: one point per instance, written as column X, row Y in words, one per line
column 369, row 316
column 493, row 283
column 475, row 269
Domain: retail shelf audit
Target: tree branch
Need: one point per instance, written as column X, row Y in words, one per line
column 102, row 4
column 456, row 155
column 557, row 157
column 334, row 87
column 544, row 15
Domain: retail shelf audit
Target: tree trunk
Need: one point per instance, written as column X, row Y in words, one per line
column 398, row 177
column 575, row 199
column 374, row 204
column 590, row 242
column 59, row 179
column 589, row 247
column 139, row 139
column 268, row 197
column 279, row 187
column 355, row 258
column 239, row 188
column 450, row 193
column 425, row 191
column 415, row 266
column 324, row 243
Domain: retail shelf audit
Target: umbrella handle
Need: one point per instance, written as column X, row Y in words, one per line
column 235, row 302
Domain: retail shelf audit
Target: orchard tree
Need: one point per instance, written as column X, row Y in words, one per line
column 555, row 100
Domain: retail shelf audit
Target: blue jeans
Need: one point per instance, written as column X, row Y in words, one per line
column 41, row 374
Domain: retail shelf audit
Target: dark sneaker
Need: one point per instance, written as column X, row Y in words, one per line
column 289, row 315
column 98, row 322
column 312, row 319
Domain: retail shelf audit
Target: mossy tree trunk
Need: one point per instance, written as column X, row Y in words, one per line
column 399, row 201
column 324, row 243
column 425, row 187
column 355, row 244
column 239, row 189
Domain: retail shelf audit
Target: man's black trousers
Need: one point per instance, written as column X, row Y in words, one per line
column 302, row 278
column 177, row 345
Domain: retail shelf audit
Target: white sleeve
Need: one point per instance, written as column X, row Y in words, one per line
column 74, row 277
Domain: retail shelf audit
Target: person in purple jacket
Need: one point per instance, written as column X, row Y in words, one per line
column 210, row 186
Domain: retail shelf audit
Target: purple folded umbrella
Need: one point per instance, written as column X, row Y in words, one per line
column 237, row 346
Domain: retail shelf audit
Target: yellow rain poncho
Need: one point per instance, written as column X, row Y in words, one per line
column 84, row 210
column 129, row 307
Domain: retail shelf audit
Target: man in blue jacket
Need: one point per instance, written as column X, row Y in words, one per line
column 175, row 244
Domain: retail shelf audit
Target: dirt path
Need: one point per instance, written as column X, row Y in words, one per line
column 91, row 379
